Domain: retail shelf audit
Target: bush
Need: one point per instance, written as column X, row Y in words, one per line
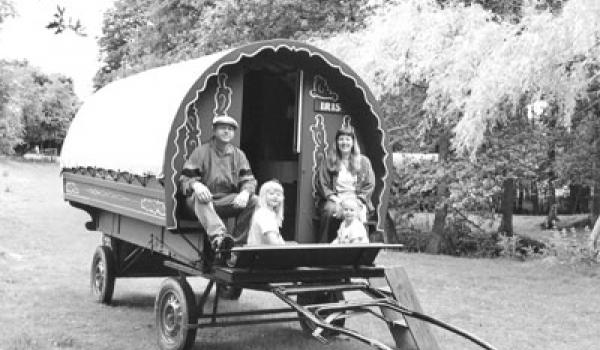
column 462, row 240
column 459, row 239
column 570, row 249
column 520, row 247
column 563, row 246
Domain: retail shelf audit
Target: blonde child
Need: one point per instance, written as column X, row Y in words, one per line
column 268, row 217
column 351, row 229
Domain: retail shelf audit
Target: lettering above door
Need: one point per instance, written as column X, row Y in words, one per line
column 328, row 107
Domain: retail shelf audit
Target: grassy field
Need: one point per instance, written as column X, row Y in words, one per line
column 45, row 253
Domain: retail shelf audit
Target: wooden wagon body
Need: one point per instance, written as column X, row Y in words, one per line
column 125, row 150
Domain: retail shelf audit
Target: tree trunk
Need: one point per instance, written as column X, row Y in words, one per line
column 441, row 209
column 595, row 195
column 552, row 216
column 595, row 236
column 520, row 198
column 507, row 206
column 595, row 203
column 535, row 199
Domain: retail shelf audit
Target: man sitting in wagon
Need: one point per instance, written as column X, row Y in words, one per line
column 218, row 183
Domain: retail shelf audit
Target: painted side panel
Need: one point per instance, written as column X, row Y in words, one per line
column 181, row 247
column 145, row 204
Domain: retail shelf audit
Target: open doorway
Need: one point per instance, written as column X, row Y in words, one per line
column 267, row 134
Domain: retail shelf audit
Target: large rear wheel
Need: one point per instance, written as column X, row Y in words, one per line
column 102, row 275
column 175, row 309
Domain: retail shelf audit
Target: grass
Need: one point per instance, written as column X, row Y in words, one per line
column 45, row 253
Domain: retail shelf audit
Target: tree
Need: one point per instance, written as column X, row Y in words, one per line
column 6, row 10
column 140, row 34
column 480, row 72
column 46, row 121
column 35, row 108
column 61, row 22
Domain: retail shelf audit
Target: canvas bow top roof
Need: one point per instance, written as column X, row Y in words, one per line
column 126, row 125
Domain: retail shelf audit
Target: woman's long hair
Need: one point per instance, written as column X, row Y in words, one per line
column 262, row 198
column 334, row 157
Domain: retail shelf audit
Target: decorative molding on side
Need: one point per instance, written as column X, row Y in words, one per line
column 192, row 131
column 346, row 121
column 108, row 194
column 321, row 90
column 319, row 136
column 71, row 188
column 222, row 96
column 153, row 206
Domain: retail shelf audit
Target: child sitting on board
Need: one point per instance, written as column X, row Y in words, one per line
column 351, row 229
column 268, row 217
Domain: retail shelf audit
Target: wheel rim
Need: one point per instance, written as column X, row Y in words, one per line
column 171, row 318
column 99, row 277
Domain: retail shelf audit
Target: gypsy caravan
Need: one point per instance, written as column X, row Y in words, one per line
column 125, row 151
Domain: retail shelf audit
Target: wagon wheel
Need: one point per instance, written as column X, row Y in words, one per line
column 229, row 292
column 320, row 298
column 102, row 275
column 175, row 308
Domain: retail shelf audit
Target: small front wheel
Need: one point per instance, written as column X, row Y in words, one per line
column 175, row 309
column 102, row 275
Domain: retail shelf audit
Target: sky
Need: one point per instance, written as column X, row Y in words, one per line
column 25, row 37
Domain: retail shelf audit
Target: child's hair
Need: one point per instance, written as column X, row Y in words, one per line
column 352, row 201
column 262, row 198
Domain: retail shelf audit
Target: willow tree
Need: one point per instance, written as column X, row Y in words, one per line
column 480, row 73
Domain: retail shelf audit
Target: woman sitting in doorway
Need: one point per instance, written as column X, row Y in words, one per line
column 345, row 172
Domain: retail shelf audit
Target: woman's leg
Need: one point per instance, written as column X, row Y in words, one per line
column 328, row 224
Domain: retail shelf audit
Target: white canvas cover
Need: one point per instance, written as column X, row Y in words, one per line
column 125, row 125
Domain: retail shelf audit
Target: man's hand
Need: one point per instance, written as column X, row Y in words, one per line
column 202, row 192
column 241, row 200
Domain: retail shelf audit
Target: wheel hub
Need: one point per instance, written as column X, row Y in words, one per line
column 172, row 316
column 99, row 277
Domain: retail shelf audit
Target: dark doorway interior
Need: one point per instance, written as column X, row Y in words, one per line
column 267, row 135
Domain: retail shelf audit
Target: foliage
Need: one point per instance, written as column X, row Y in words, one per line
column 508, row 10
column 477, row 70
column 567, row 248
column 562, row 246
column 140, row 34
column 60, row 23
column 463, row 237
column 7, row 9
column 478, row 75
column 35, row 108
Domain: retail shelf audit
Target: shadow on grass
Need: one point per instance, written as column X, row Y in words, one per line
column 138, row 301
column 258, row 338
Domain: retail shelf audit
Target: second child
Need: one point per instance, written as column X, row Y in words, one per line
column 268, row 217
column 351, row 230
